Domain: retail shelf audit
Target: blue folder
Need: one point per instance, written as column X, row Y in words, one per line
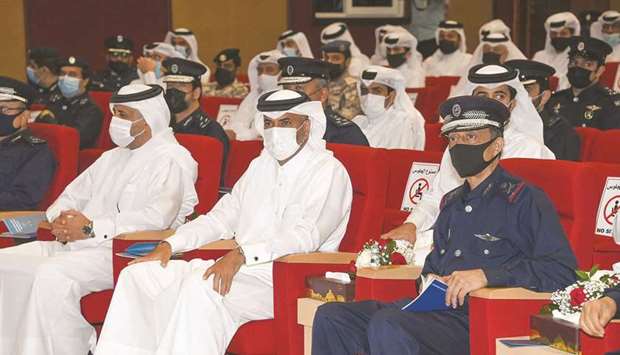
column 432, row 298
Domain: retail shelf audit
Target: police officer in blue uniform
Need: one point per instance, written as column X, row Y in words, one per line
column 75, row 108
column 559, row 134
column 27, row 164
column 587, row 103
column 183, row 92
column 42, row 73
column 493, row 231
column 311, row 76
column 121, row 70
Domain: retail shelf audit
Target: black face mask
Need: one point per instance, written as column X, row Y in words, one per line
column 468, row 160
column 579, row 77
column 118, row 66
column 490, row 58
column 396, row 60
column 536, row 102
column 560, row 43
column 176, row 100
column 6, row 124
column 447, row 47
column 224, row 77
column 335, row 70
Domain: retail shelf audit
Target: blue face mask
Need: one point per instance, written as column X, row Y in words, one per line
column 289, row 51
column 32, row 76
column 158, row 70
column 69, row 87
column 612, row 39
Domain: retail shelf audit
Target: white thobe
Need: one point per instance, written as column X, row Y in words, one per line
column 414, row 74
column 424, row 215
column 559, row 62
column 394, row 130
column 272, row 211
column 440, row 64
column 41, row 283
column 242, row 122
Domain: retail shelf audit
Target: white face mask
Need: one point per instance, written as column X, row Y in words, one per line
column 373, row 105
column 182, row 49
column 268, row 82
column 290, row 52
column 281, row 142
column 120, row 131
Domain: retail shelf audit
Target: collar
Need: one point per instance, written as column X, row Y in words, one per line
column 196, row 115
column 484, row 187
column 76, row 99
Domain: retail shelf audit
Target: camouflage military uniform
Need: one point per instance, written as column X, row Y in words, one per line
column 343, row 96
column 236, row 89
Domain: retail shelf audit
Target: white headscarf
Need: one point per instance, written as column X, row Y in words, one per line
column 300, row 40
column 494, row 26
column 156, row 113
column 312, row 109
column 161, row 48
column 524, row 117
column 596, row 31
column 190, row 38
column 402, row 125
column 549, row 55
column 243, row 120
column 380, row 52
column 340, row 31
column 412, row 69
column 453, row 64
column 513, row 53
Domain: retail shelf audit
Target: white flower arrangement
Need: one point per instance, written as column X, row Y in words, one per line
column 385, row 252
column 591, row 285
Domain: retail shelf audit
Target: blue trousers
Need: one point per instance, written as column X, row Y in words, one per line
column 376, row 328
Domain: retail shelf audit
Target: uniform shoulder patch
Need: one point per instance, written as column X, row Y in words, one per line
column 204, row 121
column 512, row 188
column 339, row 120
column 29, row 138
column 450, row 197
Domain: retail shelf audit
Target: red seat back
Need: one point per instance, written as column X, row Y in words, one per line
column 605, row 147
column 554, row 81
column 240, row 155
column 208, row 153
column 443, row 81
column 587, row 137
column 102, row 99
column 64, row 142
column 428, row 100
column 368, row 171
column 435, row 142
column 211, row 104
column 399, row 166
column 609, row 75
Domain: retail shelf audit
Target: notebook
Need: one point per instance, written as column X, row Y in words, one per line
column 432, row 297
column 138, row 249
column 23, row 226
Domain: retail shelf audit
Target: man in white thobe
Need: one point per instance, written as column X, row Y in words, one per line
column 147, row 183
column 560, row 28
column 523, row 138
column 294, row 198
column 338, row 31
column 185, row 42
column 390, row 120
column 149, row 66
column 403, row 56
column 294, row 44
column 451, row 57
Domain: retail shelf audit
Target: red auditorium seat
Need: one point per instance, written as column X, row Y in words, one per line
column 435, row 142
column 207, row 152
column 444, row 81
column 588, row 138
column 102, row 99
column 428, row 100
column 64, row 143
column 211, row 104
column 609, row 75
column 605, row 147
column 239, row 158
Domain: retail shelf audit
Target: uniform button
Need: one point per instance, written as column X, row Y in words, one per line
column 457, row 252
column 468, row 208
column 256, row 258
column 575, row 99
column 64, row 107
column 583, row 125
column 442, row 251
column 105, row 236
column 486, row 251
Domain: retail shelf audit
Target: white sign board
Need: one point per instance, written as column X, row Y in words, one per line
column 421, row 176
column 225, row 114
column 608, row 207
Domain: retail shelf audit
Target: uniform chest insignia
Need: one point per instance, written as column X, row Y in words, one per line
column 617, row 103
column 83, row 101
column 557, row 107
column 589, row 113
column 487, row 237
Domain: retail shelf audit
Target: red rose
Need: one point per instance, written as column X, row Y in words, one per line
column 352, row 267
column 383, row 242
column 398, row 259
column 577, row 297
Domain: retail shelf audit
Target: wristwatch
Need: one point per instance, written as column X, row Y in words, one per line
column 88, row 230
